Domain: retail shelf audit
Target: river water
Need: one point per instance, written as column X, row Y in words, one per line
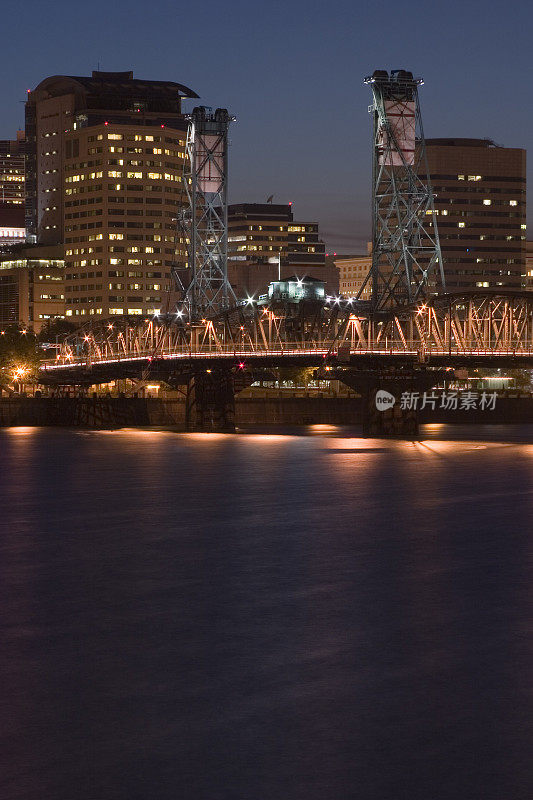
column 266, row 616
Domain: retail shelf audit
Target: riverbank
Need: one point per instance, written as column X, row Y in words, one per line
column 114, row 412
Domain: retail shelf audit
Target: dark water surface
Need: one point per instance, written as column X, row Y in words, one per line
column 265, row 617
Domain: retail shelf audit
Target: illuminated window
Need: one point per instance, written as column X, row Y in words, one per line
column 513, row 202
column 134, row 174
column 115, row 136
column 116, row 311
column 460, row 224
column 114, row 173
column 487, row 202
column 135, row 311
column 460, row 177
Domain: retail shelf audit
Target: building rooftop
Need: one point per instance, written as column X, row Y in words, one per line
column 114, row 90
column 270, row 210
column 461, row 143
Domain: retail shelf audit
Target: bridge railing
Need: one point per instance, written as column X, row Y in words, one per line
column 334, row 349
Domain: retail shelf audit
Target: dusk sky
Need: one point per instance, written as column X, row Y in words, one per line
column 292, row 72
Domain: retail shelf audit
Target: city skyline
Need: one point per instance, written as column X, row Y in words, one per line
column 302, row 131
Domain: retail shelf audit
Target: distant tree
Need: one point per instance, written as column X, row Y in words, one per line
column 55, row 328
column 298, row 376
column 18, row 354
column 522, row 378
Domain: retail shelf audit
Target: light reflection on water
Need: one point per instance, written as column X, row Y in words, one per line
column 265, row 615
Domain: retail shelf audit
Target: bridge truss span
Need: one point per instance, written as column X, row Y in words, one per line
column 472, row 328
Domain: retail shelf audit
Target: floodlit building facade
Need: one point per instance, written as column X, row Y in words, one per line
column 353, row 271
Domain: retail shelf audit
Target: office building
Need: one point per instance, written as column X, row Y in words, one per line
column 12, row 229
column 12, row 171
column 480, row 200
column 104, row 168
column 32, row 287
column 353, row 271
column 265, row 242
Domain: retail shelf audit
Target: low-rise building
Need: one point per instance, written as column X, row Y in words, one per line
column 353, row 271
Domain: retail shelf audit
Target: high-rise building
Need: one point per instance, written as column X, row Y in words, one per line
column 480, row 200
column 12, row 229
column 264, row 241
column 12, row 171
column 104, row 170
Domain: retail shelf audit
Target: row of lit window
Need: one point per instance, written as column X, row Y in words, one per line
column 96, row 187
column 155, row 151
column 137, row 137
column 156, row 287
column 152, row 176
column 111, row 311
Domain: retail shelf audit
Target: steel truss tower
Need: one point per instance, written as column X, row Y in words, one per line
column 406, row 255
column 204, row 221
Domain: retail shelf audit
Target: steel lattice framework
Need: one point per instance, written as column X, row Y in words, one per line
column 470, row 328
column 204, row 221
column 406, row 255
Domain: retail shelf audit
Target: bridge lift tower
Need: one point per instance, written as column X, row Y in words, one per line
column 204, row 220
column 406, row 255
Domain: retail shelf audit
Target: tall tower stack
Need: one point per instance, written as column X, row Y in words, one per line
column 406, row 256
column 205, row 217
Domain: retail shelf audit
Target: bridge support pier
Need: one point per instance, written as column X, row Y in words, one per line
column 393, row 421
column 379, row 417
column 210, row 401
